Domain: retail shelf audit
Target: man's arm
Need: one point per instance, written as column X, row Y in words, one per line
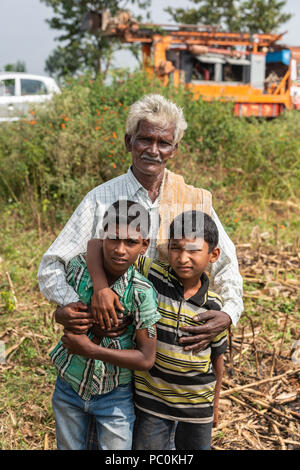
column 52, row 273
column 141, row 358
column 225, row 278
column 70, row 242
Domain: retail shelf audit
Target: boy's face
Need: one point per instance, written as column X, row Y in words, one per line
column 189, row 257
column 121, row 249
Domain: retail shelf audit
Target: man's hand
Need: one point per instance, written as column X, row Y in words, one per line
column 78, row 344
column 74, row 317
column 104, row 306
column 215, row 323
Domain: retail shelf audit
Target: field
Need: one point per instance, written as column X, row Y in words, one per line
column 256, row 195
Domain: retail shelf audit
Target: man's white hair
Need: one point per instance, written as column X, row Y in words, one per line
column 156, row 109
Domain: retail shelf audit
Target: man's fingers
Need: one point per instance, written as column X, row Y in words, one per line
column 81, row 316
column 197, row 347
column 81, row 321
column 80, row 305
column 204, row 316
column 195, row 330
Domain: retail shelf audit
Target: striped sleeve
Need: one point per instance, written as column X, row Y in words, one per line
column 143, row 264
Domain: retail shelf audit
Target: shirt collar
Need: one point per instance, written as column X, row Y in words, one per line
column 200, row 297
column 121, row 284
column 134, row 184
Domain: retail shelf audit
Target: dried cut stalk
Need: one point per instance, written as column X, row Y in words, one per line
column 225, row 393
column 11, row 287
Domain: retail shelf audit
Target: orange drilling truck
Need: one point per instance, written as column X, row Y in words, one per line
column 261, row 76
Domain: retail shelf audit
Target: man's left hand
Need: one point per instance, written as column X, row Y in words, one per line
column 78, row 344
column 202, row 335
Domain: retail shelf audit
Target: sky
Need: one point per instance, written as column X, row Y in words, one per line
column 25, row 35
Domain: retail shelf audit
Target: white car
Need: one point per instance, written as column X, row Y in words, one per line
column 20, row 91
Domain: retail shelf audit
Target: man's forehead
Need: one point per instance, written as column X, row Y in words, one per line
column 145, row 126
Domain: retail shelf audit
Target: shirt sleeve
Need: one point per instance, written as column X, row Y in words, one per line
column 219, row 344
column 143, row 264
column 146, row 308
column 225, row 278
column 71, row 241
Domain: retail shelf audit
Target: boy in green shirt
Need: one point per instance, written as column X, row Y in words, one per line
column 94, row 372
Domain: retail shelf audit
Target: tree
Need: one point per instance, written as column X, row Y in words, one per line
column 254, row 16
column 17, row 67
column 81, row 50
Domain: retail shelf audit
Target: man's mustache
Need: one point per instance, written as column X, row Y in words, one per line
column 145, row 156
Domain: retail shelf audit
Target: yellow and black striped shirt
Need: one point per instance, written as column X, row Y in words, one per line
column 180, row 386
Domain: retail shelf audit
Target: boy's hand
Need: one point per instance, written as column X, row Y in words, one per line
column 104, row 304
column 78, row 344
column 202, row 335
column 74, row 317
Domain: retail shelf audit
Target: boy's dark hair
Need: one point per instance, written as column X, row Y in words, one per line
column 130, row 213
column 195, row 224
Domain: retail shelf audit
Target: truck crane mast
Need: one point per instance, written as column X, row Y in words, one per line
column 253, row 71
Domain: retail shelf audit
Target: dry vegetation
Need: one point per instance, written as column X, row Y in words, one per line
column 260, row 402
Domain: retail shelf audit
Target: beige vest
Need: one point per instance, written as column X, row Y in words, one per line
column 177, row 197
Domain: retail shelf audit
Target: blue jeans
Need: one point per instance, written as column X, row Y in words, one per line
column 154, row 433
column 113, row 413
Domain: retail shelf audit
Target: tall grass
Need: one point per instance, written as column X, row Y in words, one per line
column 49, row 162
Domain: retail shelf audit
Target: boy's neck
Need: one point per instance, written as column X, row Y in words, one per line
column 112, row 278
column 190, row 286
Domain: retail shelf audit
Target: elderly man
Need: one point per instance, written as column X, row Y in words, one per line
column 154, row 129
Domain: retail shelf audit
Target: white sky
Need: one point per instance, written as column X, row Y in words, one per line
column 25, row 36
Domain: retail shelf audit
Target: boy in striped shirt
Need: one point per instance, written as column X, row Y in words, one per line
column 177, row 394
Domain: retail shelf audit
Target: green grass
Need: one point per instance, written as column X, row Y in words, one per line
column 27, row 379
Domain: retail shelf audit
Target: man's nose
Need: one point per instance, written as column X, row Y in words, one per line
column 153, row 149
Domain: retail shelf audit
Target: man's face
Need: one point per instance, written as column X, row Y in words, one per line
column 190, row 257
column 151, row 147
column 121, row 249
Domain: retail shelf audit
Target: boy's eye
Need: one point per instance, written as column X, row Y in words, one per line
column 132, row 242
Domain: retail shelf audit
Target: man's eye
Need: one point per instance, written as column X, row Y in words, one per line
column 165, row 144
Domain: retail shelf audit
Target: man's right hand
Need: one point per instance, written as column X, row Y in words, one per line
column 74, row 317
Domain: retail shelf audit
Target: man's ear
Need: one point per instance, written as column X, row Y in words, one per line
column 174, row 151
column 128, row 145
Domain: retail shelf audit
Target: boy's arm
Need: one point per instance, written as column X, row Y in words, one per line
column 105, row 301
column 141, row 358
column 218, row 365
